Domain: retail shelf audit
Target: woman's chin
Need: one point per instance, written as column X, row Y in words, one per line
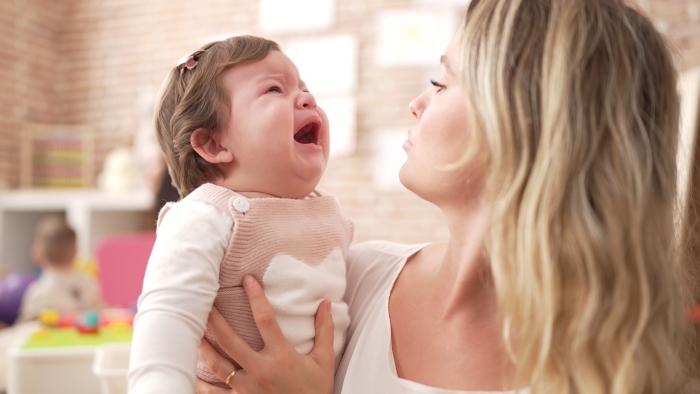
column 407, row 181
column 428, row 188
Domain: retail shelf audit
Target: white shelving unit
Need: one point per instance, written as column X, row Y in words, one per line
column 91, row 213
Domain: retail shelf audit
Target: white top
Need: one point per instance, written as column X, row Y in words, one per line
column 182, row 281
column 68, row 291
column 368, row 363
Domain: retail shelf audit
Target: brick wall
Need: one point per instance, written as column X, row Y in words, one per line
column 30, row 73
column 96, row 62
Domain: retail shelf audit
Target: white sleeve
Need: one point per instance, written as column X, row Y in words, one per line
column 181, row 282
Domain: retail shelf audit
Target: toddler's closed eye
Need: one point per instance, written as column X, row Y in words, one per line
column 274, row 89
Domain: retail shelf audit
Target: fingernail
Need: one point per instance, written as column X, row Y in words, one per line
column 328, row 307
column 248, row 281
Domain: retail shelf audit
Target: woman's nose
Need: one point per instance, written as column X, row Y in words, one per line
column 415, row 107
column 306, row 100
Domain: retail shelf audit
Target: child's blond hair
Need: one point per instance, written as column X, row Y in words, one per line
column 195, row 98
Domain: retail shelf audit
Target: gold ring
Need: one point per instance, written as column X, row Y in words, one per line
column 230, row 376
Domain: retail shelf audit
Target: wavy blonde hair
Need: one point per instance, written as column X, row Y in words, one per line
column 576, row 101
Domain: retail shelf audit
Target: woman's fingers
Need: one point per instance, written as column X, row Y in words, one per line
column 265, row 319
column 278, row 367
column 231, row 342
column 322, row 351
column 202, row 387
column 218, row 365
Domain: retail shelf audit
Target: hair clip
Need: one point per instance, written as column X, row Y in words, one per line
column 187, row 61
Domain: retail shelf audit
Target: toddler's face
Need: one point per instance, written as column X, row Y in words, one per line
column 278, row 136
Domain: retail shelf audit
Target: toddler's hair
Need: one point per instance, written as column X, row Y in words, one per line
column 192, row 99
column 55, row 240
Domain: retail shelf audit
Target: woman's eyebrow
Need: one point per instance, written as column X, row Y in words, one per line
column 444, row 62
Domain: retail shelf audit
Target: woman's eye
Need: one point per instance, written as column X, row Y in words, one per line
column 437, row 85
column 274, row 89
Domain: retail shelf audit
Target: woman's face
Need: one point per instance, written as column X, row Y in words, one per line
column 439, row 137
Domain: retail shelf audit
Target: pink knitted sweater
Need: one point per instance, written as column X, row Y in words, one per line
column 270, row 236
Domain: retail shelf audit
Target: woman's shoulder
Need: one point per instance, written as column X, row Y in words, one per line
column 372, row 268
column 370, row 252
column 378, row 256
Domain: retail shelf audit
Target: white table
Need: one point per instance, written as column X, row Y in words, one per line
column 66, row 370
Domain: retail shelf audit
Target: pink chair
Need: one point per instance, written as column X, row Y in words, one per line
column 121, row 263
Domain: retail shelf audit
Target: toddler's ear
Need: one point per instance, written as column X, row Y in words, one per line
column 209, row 146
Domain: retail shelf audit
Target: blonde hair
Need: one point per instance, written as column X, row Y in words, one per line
column 55, row 241
column 576, row 103
column 192, row 99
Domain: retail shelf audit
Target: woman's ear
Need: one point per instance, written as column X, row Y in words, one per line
column 208, row 146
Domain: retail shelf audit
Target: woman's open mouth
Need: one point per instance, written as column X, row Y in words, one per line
column 308, row 134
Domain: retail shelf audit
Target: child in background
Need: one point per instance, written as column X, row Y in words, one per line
column 60, row 286
column 246, row 145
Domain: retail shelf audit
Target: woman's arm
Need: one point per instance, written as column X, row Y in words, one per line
column 277, row 368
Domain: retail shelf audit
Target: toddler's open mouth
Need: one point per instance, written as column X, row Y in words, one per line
column 308, row 134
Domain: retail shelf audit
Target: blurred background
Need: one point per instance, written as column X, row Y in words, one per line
column 78, row 83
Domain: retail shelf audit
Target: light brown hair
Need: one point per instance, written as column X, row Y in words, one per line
column 192, row 99
column 576, row 101
column 690, row 221
column 55, row 241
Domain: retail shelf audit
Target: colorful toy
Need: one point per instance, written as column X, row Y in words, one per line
column 82, row 329
column 120, row 326
column 88, row 323
column 49, row 317
column 12, row 288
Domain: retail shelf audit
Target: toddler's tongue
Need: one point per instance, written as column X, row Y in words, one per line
column 306, row 135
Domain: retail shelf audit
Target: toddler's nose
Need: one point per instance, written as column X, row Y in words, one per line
column 306, row 100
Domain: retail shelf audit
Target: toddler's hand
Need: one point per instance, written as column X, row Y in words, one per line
column 277, row 368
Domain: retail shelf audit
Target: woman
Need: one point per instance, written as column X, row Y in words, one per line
column 549, row 143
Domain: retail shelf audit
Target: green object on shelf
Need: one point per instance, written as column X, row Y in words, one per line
column 62, row 337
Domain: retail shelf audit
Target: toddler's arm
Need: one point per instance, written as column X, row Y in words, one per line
column 179, row 288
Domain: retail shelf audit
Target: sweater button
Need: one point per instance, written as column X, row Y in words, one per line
column 241, row 204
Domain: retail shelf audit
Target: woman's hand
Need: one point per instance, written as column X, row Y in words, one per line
column 277, row 368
